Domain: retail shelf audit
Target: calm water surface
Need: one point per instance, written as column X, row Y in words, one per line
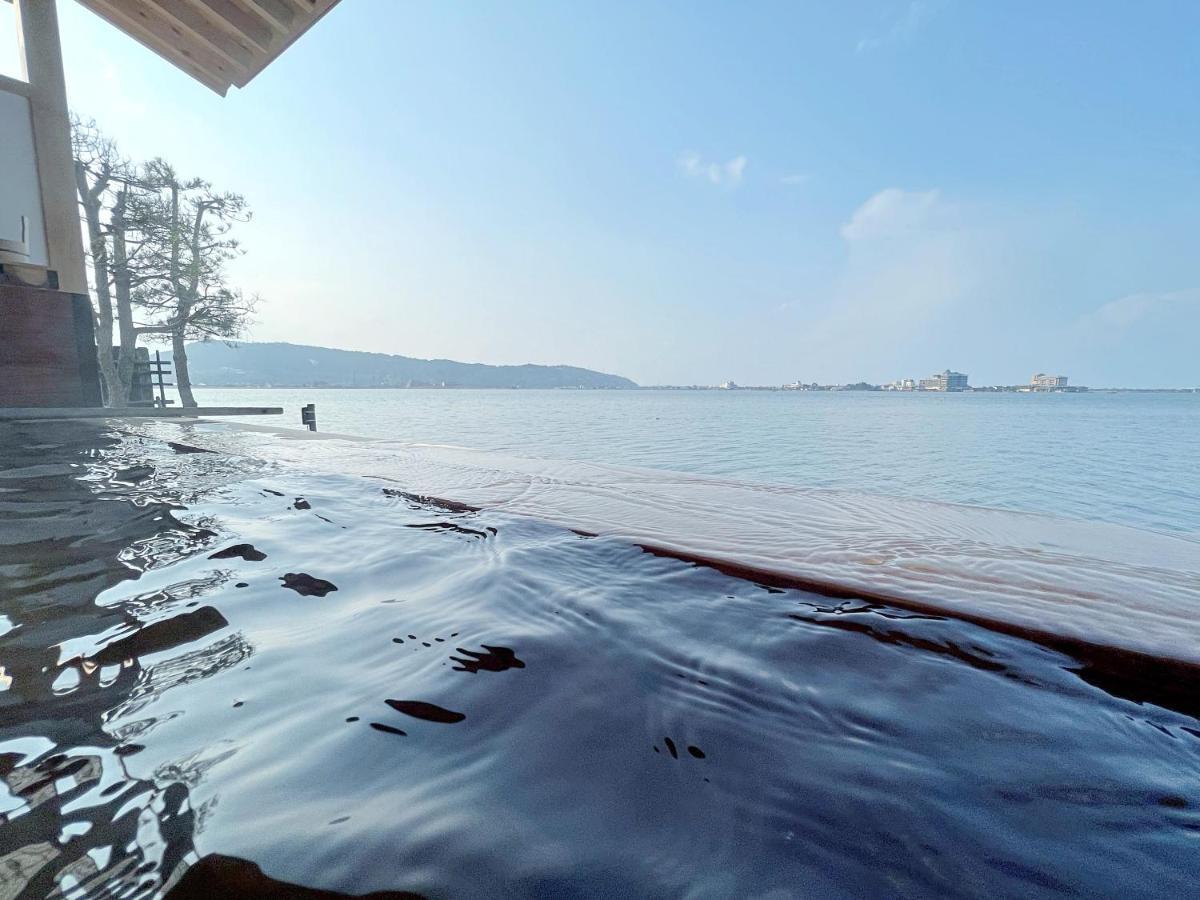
column 1124, row 458
column 222, row 672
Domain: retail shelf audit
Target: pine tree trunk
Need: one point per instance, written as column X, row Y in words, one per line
column 115, row 392
column 126, row 331
column 109, row 377
column 183, row 380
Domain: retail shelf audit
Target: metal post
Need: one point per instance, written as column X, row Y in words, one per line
column 308, row 416
column 162, row 395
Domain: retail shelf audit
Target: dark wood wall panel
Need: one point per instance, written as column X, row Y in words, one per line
column 47, row 348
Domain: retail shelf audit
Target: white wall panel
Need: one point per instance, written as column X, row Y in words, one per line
column 19, row 194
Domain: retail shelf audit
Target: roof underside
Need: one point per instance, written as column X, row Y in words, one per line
column 218, row 42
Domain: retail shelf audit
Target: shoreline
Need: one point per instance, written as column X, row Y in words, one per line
column 764, row 389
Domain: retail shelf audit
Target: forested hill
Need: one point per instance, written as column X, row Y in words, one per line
column 294, row 365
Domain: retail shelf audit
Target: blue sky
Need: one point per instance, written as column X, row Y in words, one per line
column 691, row 192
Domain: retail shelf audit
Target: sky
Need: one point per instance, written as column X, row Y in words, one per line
column 693, row 192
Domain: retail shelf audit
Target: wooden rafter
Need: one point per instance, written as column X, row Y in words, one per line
column 220, row 43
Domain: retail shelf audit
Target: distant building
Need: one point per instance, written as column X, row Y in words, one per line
column 1040, row 382
column 728, row 386
column 901, row 384
column 946, row 381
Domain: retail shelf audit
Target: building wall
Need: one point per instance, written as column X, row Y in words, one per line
column 19, row 195
column 1048, row 382
column 47, row 348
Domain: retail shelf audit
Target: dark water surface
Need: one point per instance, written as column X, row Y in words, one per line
column 220, row 675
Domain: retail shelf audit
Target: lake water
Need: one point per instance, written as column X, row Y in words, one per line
column 224, row 674
column 1129, row 459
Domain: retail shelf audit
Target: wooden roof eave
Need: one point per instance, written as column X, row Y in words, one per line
column 220, row 43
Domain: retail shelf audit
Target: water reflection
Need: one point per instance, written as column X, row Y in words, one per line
column 227, row 876
column 175, row 671
column 306, row 585
column 429, row 712
column 68, row 838
column 247, row 552
column 493, row 659
column 75, row 822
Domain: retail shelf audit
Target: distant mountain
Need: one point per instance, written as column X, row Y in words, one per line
column 247, row 364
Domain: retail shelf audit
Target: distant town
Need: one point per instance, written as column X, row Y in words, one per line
column 281, row 365
column 946, row 382
column 949, row 382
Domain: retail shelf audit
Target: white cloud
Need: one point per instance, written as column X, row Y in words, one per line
column 893, row 212
column 1127, row 311
column 726, row 174
column 795, row 180
column 916, row 264
column 901, row 30
column 886, row 297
